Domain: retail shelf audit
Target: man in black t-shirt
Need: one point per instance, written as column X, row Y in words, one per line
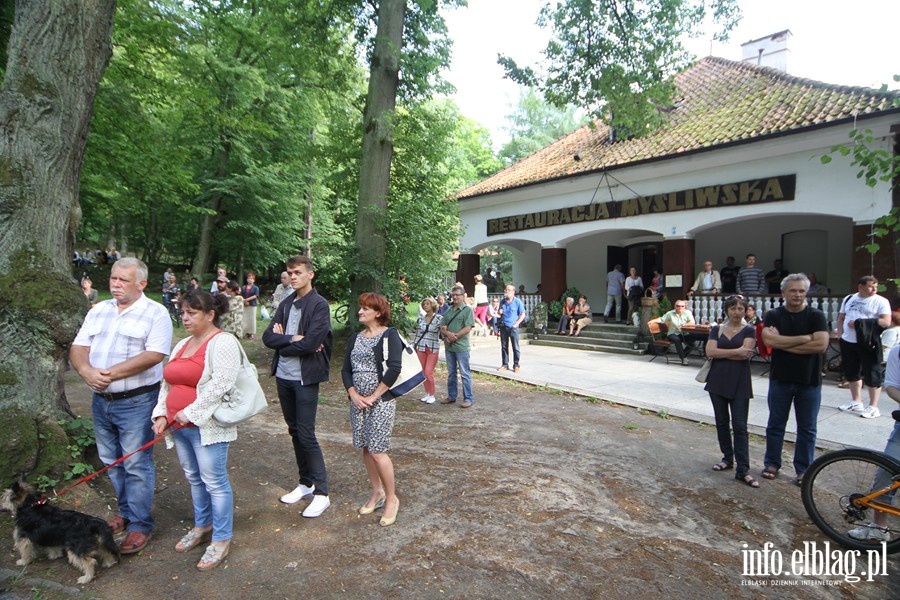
column 774, row 277
column 798, row 335
column 729, row 275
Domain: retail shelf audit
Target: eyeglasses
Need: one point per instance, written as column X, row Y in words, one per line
column 734, row 297
column 455, row 295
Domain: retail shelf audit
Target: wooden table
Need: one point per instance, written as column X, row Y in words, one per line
column 699, row 333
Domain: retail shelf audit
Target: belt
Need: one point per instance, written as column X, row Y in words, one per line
column 130, row 393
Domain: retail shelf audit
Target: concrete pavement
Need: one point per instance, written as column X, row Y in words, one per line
column 635, row 381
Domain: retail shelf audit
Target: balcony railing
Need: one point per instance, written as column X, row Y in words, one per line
column 707, row 308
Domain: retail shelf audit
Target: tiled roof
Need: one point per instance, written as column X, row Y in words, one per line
column 717, row 102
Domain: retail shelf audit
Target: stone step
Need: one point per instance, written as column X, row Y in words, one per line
column 586, row 344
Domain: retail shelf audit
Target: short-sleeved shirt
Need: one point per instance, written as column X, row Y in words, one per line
column 511, row 311
column 855, row 307
column 892, row 372
column 787, row 367
column 427, row 333
column 457, row 319
column 115, row 337
column 677, row 321
column 614, row 282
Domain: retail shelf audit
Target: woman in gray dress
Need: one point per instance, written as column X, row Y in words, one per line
column 730, row 347
column 372, row 407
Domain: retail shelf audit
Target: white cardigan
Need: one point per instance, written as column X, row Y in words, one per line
column 211, row 389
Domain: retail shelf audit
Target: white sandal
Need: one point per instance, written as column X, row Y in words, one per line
column 213, row 556
column 192, row 539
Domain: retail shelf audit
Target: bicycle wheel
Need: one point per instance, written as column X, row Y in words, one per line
column 342, row 314
column 833, row 481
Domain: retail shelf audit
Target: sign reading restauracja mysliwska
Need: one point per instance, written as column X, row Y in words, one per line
column 755, row 191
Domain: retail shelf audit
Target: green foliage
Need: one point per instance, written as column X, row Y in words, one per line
column 500, row 259
column 232, row 98
column 557, row 305
column 876, row 165
column 535, row 124
column 80, row 432
column 664, row 306
column 616, row 59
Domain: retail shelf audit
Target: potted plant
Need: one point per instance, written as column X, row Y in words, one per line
column 539, row 316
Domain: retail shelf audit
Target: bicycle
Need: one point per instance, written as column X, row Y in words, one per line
column 838, row 496
column 172, row 305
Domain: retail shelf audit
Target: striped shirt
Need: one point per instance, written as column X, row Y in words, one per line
column 115, row 337
column 427, row 335
column 751, row 280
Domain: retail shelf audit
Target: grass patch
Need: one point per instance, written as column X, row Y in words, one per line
column 630, row 426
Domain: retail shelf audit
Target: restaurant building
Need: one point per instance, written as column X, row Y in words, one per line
column 736, row 168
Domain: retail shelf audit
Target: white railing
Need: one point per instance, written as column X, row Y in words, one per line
column 707, row 308
column 529, row 300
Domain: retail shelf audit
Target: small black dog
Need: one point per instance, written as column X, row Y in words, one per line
column 84, row 538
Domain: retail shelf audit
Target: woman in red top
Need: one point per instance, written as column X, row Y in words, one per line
column 201, row 372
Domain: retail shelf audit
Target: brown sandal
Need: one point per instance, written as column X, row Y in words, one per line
column 749, row 481
column 722, row 466
column 770, row 472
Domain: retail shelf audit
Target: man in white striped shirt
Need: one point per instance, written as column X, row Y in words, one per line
column 118, row 352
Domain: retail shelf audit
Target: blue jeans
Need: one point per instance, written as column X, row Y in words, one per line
column 459, row 360
column 806, row 400
column 882, row 477
column 121, row 427
column 299, row 404
column 613, row 300
column 206, row 469
column 508, row 334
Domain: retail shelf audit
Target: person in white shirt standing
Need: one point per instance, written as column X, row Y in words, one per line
column 118, row 353
column 861, row 318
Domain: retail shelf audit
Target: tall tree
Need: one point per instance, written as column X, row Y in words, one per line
column 56, row 55
column 536, row 123
column 378, row 147
column 615, row 58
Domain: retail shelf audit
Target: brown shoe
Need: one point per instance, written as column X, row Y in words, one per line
column 134, row 542
column 118, row 524
column 465, row 404
column 516, row 369
column 448, row 401
column 503, row 368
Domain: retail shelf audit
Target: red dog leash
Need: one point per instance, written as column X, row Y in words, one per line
column 171, row 427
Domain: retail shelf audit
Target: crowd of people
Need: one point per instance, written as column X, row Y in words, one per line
column 797, row 337
column 182, row 394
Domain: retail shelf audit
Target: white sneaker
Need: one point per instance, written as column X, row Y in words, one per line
column 871, row 412
column 852, row 406
column 317, row 506
column 428, row 399
column 870, row 532
column 300, row 492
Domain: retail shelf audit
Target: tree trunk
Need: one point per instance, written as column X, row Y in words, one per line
column 56, row 55
column 378, row 147
column 207, row 225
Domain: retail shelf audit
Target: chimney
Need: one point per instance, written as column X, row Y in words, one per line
column 768, row 51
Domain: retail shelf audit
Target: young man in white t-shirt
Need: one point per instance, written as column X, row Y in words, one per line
column 860, row 361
